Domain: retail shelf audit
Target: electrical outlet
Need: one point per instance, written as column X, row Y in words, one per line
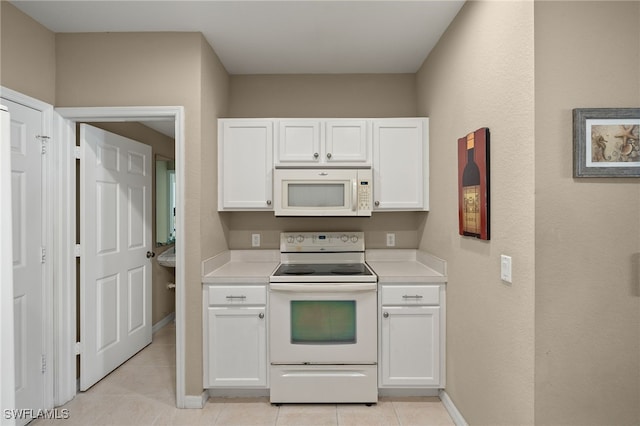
column 391, row 239
column 255, row 240
column 505, row 268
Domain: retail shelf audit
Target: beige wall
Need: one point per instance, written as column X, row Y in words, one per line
column 310, row 95
column 28, row 62
column 587, row 230
column 481, row 75
column 119, row 69
column 326, row 95
column 163, row 298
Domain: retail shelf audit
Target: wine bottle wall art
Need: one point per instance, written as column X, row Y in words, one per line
column 473, row 184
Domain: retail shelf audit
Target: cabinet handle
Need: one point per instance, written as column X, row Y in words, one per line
column 329, row 155
column 316, row 155
column 417, row 296
column 268, row 202
column 261, row 315
column 236, row 297
column 386, row 315
column 377, row 203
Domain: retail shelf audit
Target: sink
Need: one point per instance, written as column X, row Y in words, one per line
column 168, row 257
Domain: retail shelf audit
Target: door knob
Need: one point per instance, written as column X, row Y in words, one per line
column 150, row 254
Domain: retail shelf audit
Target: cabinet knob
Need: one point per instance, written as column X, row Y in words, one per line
column 377, row 203
column 386, row 315
column 268, row 202
column 328, row 155
column 316, row 155
column 261, row 315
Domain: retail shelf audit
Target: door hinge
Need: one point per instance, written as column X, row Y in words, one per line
column 77, row 153
column 43, row 253
column 43, row 141
column 44, row 363
column 78, row 348
column 77, row 250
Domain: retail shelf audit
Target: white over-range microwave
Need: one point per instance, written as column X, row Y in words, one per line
column 323, row 192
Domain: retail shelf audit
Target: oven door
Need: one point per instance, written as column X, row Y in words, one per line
column 323, row 323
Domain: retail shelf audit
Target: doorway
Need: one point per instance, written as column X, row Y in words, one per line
column 66, row 303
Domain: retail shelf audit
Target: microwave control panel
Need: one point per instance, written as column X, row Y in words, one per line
column 364, row 192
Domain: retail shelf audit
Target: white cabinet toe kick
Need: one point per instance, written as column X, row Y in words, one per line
column 324, row 384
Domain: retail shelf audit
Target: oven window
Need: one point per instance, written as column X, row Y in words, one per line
column 323, row 322
column 315, row 195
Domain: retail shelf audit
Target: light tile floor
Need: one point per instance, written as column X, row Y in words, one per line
column 142, row 392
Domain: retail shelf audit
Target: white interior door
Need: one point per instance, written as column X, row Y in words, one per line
column 26, row 125
column 115, row 233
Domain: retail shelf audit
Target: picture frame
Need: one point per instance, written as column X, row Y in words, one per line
column 606, row 142
column 473, row 185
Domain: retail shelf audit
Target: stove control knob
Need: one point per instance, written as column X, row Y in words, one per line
column 354, row 238
column 300, row 238
column 290, row 239
column 344, row 238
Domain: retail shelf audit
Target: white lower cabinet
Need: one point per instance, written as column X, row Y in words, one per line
column 235, row 336
column 411, row 336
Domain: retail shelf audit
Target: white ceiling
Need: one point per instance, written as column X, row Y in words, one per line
column 274, row 37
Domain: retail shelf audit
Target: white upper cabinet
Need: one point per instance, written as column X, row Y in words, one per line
column 397, row 150
column 298, row 142
column 401, row 164
column 245, row 164
column 324, row 143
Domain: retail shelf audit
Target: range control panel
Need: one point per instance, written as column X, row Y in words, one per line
column 297, row 242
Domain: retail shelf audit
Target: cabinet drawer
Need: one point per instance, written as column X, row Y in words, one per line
column 411, row 295
column 237, row 295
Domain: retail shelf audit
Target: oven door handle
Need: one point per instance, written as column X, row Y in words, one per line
column 323, row 288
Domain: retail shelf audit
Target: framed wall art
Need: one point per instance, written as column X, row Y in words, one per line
column 606, row 142
column 473, row 184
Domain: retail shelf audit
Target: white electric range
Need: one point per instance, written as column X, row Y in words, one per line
column 323, row 320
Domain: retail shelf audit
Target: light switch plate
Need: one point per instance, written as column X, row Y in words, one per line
column 255, row 240
column 505, row 268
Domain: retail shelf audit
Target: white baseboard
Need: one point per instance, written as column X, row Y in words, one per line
column 196, row 401
column 163, row 322
column 451, row 408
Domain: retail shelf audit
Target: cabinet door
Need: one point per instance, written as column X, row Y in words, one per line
column 400, row 164
column 410, row 346
column 245, row 164
column 299, row 141
column 347, row 141
column 236, row 351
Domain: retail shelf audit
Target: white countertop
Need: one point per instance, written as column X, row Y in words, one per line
column 240, row 267
column 406, row 266
column 391, row 266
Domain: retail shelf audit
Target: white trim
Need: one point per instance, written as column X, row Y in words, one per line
column 163, row 322
column 65, row 266
column 7, row 369
column 196, row 401
column 451, row 408
column 176, row 113
column 48, row 173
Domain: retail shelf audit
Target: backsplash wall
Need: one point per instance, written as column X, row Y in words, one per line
column 407, row 227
